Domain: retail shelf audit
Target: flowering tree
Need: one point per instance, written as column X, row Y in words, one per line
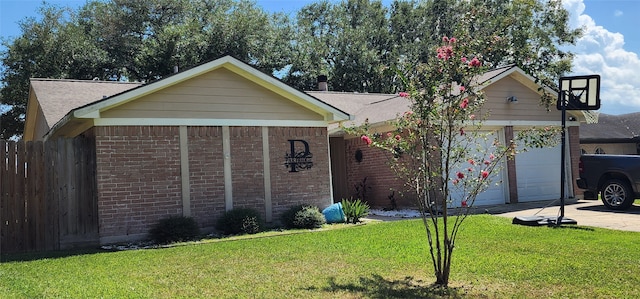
column 439, row 148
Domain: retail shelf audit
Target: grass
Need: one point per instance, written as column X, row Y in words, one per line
column 493, row 259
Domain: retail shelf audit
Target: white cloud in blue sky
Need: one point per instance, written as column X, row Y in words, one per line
column 618, row 13
column 600, row 51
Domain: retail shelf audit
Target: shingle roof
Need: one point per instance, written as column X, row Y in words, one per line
column 612, row 128
column 58, row 97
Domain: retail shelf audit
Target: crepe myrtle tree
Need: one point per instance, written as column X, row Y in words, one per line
column 440, row 149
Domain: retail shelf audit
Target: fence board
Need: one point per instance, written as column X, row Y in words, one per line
column 48, row 197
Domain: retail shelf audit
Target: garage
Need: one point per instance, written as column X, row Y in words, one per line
column 538, row 174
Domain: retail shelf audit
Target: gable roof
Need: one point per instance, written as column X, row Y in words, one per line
column 612, row 129
column 58, row 96
column 89, row 99
column 378, row 109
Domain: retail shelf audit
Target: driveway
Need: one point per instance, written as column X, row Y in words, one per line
column 585, row 212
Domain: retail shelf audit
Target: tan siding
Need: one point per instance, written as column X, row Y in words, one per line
column 527, row 108
column 41, row 126
column 220, row 94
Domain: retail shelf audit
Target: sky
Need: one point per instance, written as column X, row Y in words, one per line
column 610, row 46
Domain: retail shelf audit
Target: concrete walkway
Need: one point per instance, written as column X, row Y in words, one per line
column 585, row 212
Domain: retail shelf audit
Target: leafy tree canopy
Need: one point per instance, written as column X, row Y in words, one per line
column 358, row 44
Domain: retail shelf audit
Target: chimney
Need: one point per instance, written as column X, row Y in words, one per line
column 322, row 83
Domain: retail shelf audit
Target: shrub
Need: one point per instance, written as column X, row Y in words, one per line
column 289, row 216
column 354, row 210
column 174, row 229
column 303, row 216
column 240, row 221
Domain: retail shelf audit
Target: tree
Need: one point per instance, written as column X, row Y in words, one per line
column 140, row 40
column 438, row 148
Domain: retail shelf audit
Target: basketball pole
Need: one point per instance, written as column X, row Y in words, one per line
column 563, row 145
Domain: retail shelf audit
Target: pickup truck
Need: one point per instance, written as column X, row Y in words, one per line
column 615, row 177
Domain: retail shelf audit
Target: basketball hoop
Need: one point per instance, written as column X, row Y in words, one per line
column 591, row 116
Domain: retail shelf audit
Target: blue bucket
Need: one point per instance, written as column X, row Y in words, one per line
column 334, row 213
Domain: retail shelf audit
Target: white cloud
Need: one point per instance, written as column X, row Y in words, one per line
column 617, row 13
column 601, row 52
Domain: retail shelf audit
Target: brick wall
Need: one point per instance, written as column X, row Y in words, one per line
column 311, row 186
column 206, row 167
column 138, row 178
column 380, row 178
column 247, row 168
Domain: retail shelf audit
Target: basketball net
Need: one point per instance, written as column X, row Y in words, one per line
column 591, row 116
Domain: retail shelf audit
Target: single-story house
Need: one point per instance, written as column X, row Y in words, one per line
column 612, row 134
column 513, row 100
column 215, row 137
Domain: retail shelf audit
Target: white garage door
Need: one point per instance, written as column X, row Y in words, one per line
column 496, row 191
column 538, row 174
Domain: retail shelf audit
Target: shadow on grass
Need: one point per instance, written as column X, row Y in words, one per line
column 32, row 256
column 377, row 286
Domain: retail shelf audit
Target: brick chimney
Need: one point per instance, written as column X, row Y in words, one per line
column 322, row 83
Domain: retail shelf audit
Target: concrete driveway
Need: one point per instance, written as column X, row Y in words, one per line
column 585, row 212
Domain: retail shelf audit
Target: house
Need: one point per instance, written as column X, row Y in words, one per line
column 513, row 100
column 612, row 134
column 215, row 137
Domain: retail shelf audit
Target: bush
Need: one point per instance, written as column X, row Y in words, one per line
column 303, row 216
column 174, row 229
column 240, row 221
column 354, row 210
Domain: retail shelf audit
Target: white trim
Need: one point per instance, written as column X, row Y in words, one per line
column 526, row 123
column 266, row 173
column 516, row 69
column 228, row 182
column 184, row 172
column 207, row 122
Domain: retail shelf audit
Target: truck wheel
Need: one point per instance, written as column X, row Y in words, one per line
column 617, row 195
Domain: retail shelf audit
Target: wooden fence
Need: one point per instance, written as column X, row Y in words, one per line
column 47, row 195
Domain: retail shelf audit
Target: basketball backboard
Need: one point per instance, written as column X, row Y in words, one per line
column 579, row 93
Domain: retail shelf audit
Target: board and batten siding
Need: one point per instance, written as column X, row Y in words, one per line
column 219, row 94
column 527, row 108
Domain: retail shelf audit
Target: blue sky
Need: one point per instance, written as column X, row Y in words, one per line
column 610, row 46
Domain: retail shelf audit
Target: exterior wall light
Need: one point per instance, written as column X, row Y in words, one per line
column 512, row 99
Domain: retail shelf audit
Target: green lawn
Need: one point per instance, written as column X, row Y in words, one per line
column 494, row 259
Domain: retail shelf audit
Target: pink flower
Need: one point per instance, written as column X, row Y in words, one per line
column 366, row 139
column 472, row 116
column 452, row 40
column 460, row 175
column 462, row 88
column 491, row 156
column 389, row 134
column 445, row 52
column 408, row 113
column 455, row 181
column 470, row 169
column 472, row 162
column 464, row 103
column 475, row 62
column 487, row 162
column 464, row 59
column 445, row 39
column 461, row 131
column 484, row 174
column 404, row 94
column 464, row 204
column 398, row 137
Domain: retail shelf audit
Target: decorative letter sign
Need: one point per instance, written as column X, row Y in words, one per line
column 298, row 160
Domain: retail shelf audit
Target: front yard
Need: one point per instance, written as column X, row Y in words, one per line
column 494, row 259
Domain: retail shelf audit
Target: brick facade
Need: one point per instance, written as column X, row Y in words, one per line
column 138, row 178
column 139, row 175
column 381, row 180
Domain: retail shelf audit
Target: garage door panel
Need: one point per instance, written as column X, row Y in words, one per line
column 538, row 174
